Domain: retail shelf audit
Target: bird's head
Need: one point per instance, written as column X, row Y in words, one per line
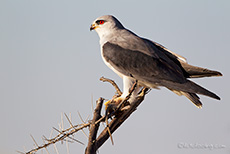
column 105, row 24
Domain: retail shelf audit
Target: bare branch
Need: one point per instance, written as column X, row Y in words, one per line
column 94, row 128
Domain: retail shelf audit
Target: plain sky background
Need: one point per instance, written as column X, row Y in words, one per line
column 50, row 64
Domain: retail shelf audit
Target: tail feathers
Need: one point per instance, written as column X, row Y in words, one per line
column 195, row 88
column 198, row 72
column 189, row 87
column 194, row 98
column 191, row 96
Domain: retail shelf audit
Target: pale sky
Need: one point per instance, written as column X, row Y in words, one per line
column 50, row 63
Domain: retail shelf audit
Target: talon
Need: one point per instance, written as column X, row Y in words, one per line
column 112, row 104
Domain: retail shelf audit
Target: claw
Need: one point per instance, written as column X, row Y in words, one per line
column 112, row 104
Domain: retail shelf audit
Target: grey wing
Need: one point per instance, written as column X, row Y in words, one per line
column 158, row 51
column 142, row 66
column 190, row 71
column 149, row 69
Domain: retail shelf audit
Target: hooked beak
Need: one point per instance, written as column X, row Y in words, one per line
column 92, row 27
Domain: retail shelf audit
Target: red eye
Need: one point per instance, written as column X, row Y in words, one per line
column 101, row 22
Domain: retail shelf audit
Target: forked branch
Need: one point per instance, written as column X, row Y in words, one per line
column 119, row 118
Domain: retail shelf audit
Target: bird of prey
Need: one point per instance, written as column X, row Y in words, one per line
column 135, row 58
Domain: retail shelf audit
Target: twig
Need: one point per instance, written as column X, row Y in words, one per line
column 113, row 83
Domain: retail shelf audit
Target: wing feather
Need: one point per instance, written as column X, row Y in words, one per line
column 190, row 71
column 151, row 70
column 140, row 65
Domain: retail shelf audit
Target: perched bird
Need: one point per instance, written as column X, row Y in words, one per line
column 151, row 64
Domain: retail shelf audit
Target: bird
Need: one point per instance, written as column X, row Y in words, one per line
column 152, row 65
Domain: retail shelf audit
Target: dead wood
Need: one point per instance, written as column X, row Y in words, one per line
column 91, row 148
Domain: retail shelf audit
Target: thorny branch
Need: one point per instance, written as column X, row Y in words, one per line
column 118, row 116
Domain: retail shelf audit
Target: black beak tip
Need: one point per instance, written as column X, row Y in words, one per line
column 91, row 28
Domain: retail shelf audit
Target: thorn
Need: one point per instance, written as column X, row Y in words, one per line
column 110, row 135
column 107, row 126
column 70, row 116
column 62, row 122
column 70, row 141
column 45, row 147
column 80, row 116
column 69, row 121
column 87, row 118
column 73, row 126
column 57, row 130
column 84, row 133
column 20, row 152
column 55, row 147
column 59, row 125
column 67, row 146
column 51, row 133
column 24, row 149
column 92, row 108
column 76, row 140
column 34, row 140
column 44, row 138
column 68, row 136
